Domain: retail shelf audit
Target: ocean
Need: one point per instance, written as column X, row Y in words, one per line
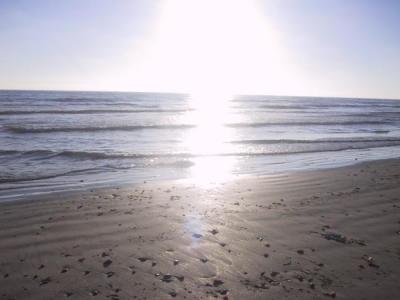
column 56, row 141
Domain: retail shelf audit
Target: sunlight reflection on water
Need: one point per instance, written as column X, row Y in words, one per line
column 208, row 138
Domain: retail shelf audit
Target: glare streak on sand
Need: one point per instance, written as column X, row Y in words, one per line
column 307, row 235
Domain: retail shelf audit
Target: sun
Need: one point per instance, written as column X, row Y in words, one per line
column 210, row 47
column 212, row 50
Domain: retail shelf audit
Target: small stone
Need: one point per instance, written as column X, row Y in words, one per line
column 143, row 259
column 45, row 281
column 274, row 273
column 217, row 282
column 371, row 262
column 107, row 263
column 223, row 292
column 197, row 236
column 94, row 293
column 335, row 237
column 214, row 231
column 301, row 252
column 330, row 294
column 173, row 294
column 167, row 278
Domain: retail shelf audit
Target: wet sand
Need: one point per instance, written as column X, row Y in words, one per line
column 308, row 235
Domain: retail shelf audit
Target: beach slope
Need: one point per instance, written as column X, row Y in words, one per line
column 307, row 235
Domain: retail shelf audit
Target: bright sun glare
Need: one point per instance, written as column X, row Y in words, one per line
column 212, row 49
column 210, row 114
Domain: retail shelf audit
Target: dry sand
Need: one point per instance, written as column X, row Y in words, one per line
column 308, row 235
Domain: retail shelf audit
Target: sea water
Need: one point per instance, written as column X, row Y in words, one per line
column 51, row 140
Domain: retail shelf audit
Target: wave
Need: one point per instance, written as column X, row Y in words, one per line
column 92, row 111
column 320, row 105
column 318, row 141
column 9, row 152
column 342, row 145
column 8, row 179
column 306, row 123
column 22, row 129
column 25, row 129
column 4, row 179
column 317, row 102
column 89, row 154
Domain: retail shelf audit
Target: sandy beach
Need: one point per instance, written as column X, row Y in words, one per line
column 307, row 235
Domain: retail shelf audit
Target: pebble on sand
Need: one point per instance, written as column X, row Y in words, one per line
column 107, row 263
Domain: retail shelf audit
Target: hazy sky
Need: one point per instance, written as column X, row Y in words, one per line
column 290, row 47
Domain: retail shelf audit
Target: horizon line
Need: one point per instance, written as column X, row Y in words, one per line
column 188, row 93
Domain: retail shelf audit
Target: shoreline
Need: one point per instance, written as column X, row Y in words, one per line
column 297, row 162
column 304, row 235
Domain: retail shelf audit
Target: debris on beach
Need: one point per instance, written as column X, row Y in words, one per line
column 274, row 274
column 104, row 254
column 143, row 259
column 335, row 237
column 370, row 261
column 167, row 278
column 330, row 294
column 107, row 263
column 217, row 282
column 45, row 281
column 173, row 294
column 214, row 231
column 94, row 292
column 67, row 294
column 332, row 236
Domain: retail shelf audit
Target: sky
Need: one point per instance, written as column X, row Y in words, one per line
column 342, row 48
